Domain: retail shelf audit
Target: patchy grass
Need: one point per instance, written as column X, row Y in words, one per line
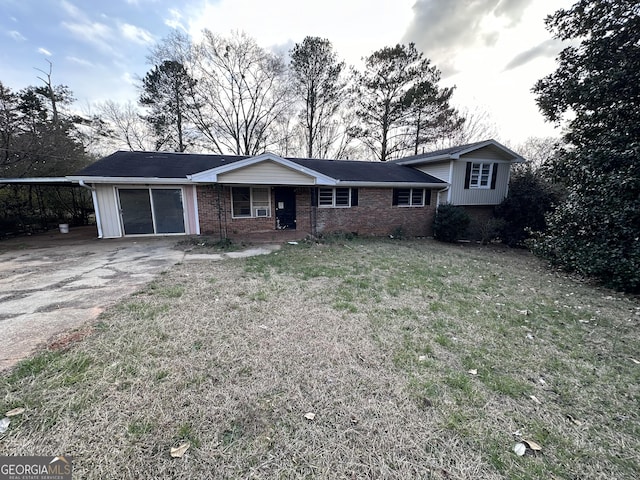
column 419, row 360
column 205, row 244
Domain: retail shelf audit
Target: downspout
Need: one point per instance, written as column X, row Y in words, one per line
column 96, row 209
column 446, row 189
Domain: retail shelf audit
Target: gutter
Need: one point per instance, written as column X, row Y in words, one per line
column 438, row 195
column 94, row 198
column 348, row 183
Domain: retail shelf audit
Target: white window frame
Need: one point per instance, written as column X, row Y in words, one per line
column 252, row 206
column 333, row 197
column 411, row 204
column 478, row 168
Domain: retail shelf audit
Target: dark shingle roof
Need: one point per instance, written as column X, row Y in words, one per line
column 444, row 151
column 356, row 171
column 155, row 164
column 179, row 165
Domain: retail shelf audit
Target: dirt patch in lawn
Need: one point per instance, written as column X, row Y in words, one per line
column 352, row 360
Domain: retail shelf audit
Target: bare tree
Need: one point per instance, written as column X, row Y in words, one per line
column 477, row 126
column 541, row 154
column 241, row 91
column 124, row 126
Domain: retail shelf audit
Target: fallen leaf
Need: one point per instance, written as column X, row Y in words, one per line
column 4, row 424
column 473, row 371
column 520, row 448
column 535, row 399
column 573, row 420
column 178, row 452
column 532, row 445
column 309, row 416
column 14, row 412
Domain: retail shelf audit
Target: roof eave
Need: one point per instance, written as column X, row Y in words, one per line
column 131, row 180
column 351, row 183
column 420, row 161
column 35, row 180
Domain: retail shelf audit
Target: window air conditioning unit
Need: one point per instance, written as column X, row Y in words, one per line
column 262, row 212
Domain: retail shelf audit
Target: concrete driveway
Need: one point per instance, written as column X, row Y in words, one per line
column 53, row 283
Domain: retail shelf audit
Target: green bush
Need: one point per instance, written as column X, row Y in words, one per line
column 523, row 211
column 597, row 234
column 451, row 223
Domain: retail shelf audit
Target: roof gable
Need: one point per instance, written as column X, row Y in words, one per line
column 213, row 175
column 491, row 148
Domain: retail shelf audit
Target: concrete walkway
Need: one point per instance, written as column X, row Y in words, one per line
column 52, row 284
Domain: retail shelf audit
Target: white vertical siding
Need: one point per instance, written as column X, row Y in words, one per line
column 109, row 211
column 478, row 196
column 189, row 201
column 439, row 170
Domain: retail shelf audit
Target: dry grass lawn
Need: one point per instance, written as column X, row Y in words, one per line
column 418, row 360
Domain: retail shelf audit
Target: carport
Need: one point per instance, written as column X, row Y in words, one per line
column 41, row 217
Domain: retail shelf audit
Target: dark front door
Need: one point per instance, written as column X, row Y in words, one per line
column 285, row 208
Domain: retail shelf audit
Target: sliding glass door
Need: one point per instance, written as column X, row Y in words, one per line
column 148, row 211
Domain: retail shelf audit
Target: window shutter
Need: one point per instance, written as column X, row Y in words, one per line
column 467, row 176
column 427, row 197
column 494, row 176
column 395, row 197
column 314, row 196
column 354, row 197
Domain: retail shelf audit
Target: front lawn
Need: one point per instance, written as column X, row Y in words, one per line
column 350, row 359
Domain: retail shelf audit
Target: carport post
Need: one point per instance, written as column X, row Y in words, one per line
column 94, row 199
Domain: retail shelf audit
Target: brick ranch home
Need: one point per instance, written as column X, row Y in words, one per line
column 158, row 193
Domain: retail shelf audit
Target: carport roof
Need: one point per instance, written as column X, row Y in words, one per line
column 168, row 165
column 46, row 181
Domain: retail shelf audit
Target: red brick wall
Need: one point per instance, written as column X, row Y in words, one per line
column 374, row 215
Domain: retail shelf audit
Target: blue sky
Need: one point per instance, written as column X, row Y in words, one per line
column 492, row 50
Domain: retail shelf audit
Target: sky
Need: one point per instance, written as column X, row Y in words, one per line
column 492, row 51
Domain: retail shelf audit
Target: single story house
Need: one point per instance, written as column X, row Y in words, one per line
column 160, row 193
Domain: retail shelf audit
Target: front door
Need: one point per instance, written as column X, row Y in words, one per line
column 285, row 208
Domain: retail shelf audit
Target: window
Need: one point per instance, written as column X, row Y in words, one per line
column 480, row 175
column 337, row 197
column 250, row 202
column 411, row 197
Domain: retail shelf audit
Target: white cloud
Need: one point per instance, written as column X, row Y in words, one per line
column 136, row 34
column 72, row 10
column 129, row 79
column 355, row 27
column 98, row 34
column 44, row 51
column 175, row 20
column 80, row 61
column 16, row 35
